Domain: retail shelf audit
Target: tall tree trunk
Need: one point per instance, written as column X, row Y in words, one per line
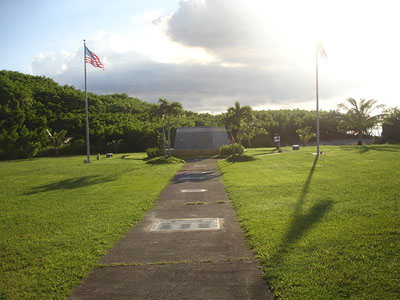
column 233, row 144
column 359, row 141
column 240, row 143
column 249, row 143
column 163, row 133
column 169, row 138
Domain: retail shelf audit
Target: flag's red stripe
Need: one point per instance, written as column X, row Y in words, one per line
column 93, row 59
column 94, row 62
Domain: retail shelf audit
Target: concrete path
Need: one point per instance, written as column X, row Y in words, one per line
column 183, row 263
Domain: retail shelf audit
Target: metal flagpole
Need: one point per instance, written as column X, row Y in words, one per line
column 86, row 108
column 317, row 121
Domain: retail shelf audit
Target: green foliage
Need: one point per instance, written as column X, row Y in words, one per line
column 118, row 123
column 357, row 119
column 391, row 125
column 3, row 296
column 154, row 152
column 323, row 227
column 305, row 134
column 168, row 110
column 235, row 117
column 253, row 128
column 286, row 122
column 227, row 150
column 59, row 216
column 59, row 139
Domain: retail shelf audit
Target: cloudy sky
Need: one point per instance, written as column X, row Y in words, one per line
column 207, row 54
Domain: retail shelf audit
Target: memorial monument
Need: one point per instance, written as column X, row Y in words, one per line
column 199, row 140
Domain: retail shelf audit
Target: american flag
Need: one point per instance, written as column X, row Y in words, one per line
column 93, row 59
column 321, row 50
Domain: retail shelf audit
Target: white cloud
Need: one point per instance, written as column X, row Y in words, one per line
column 209, row 54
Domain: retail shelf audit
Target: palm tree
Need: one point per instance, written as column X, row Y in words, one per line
column 59, row 139
column 305, row 134
column 236, row 116
column 169, row 110
column 357, row 118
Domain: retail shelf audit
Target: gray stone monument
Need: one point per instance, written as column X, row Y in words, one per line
column 199, row 140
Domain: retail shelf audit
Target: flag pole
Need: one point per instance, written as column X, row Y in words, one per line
column 86, row 108
column 317, row 110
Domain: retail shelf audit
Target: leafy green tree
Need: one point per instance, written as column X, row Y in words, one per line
column 357, row 118
column 235, row 117
column 391, row 125
column 252, row 128
column 305, row 134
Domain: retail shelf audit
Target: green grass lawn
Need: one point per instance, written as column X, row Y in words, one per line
column 59, row 216
column 324, row 227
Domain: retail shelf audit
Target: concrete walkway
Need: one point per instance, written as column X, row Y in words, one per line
column 185, row 262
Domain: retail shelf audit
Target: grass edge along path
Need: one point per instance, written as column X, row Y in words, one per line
column 324, row 227
column 59, row 216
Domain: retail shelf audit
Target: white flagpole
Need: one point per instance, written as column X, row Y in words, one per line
column 86, row 108
column 317, row 111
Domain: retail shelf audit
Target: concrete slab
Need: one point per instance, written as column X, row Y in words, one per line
column 221, row 280
column 142, row 246
column 196, row 175
column 215, row 192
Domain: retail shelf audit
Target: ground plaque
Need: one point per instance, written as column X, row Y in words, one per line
column 187, row 224
column 194, row 191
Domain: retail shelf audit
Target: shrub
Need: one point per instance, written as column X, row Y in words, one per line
column 227, row 150
column 154, row 152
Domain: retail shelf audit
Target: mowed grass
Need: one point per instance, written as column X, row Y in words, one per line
column 59, row 216
column 324, row 227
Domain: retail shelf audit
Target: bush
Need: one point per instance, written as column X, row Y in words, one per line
column 154, row 152
column 227, row 150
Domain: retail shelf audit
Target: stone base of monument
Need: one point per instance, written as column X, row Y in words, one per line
column 194, row 152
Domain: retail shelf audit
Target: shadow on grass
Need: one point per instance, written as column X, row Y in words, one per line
column 240, row 158
column 367, row 148
column 162, row 160
column 265, row 152
column 301, row 222
column 72, row 183
column 127, row 157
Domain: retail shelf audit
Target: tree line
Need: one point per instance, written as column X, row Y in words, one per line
column 39, row 117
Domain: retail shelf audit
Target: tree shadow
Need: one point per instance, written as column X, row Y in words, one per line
column 239, row 158
column 359, row 149
column 300, row 222
column 126, row 157
column 195, row 176
column 163, row 160
column 365, row 148
column 265, row 152
column 72, row 183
